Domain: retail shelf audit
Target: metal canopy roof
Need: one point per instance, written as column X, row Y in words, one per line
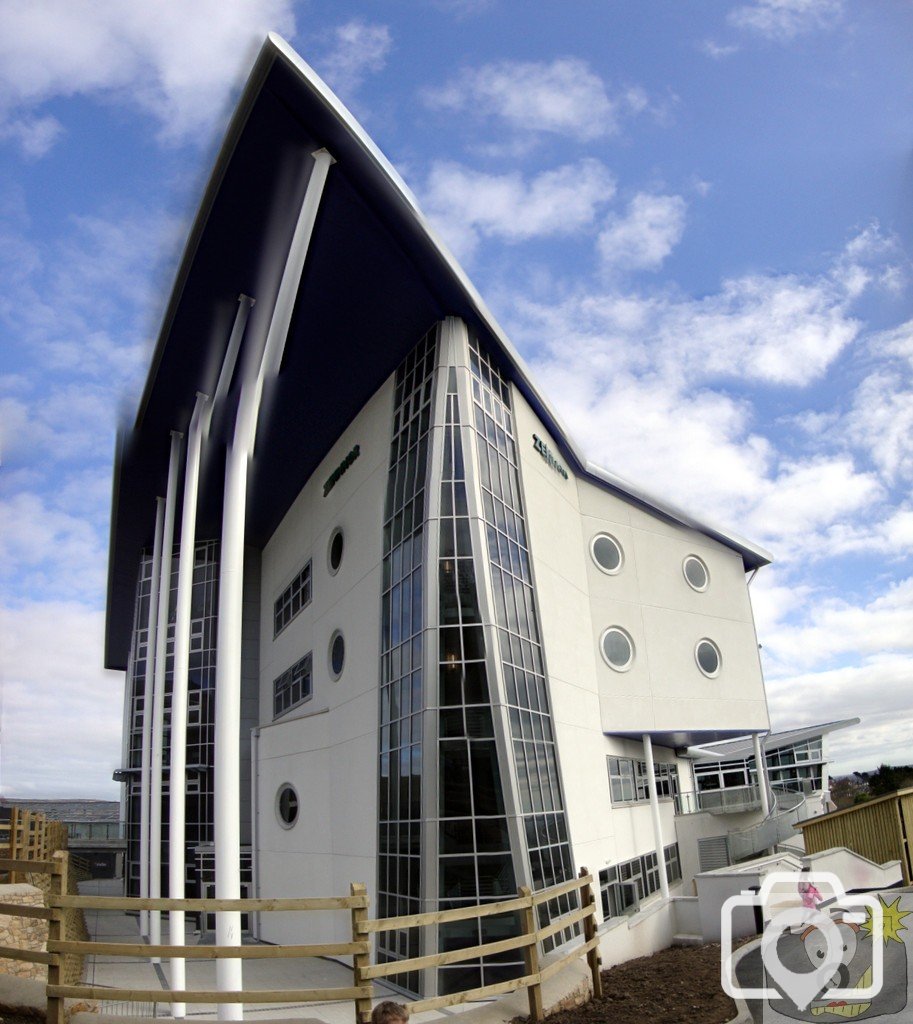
column 743, row 747
column 375, row 280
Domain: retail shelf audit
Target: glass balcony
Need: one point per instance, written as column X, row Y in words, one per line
column 99, row 830
column 719, row 801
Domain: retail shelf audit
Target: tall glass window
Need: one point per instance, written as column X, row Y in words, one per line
column 475, row 863
column 402, row 689
column 541, row 800
column 200, row 709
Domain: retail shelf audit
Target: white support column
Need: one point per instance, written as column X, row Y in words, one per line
column 199, row 429
column 760, row 764
column 178, row 767
column 158, row 716
column 657, row 821
column 148, row 700
column 262, row 359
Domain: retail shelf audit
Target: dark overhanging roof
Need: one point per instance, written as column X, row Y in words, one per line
column 377, row 277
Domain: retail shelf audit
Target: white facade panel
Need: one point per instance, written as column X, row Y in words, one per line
column 325, row 747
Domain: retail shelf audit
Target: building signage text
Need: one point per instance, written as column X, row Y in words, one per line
column 543, row 449
column 340, row 469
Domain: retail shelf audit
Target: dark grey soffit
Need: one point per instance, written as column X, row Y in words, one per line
column 375, row 280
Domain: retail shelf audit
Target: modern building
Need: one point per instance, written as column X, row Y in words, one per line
column 379, row 615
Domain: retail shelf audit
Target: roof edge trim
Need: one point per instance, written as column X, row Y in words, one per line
column 753, row 555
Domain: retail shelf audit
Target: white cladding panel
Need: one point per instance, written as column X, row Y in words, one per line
column 663, row 690
column 326, row 747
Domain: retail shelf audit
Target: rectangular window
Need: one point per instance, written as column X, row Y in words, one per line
column 293, row 687
column 297, row 595
column 673, row 863
column 625, row 886
column 629, row 784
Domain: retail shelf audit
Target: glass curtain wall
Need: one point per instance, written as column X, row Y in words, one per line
column 469, row 859
column 200, row 711
column 402, row 691
column 474, row 864
column 541, row 801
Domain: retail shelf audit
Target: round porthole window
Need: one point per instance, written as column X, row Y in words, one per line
column 696, row 573
column 708, row 657
column 607, row 554
column 337, row 654
column 334, row 551
column 617, row 648
column 287, row 805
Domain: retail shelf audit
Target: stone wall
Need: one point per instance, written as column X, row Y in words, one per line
column 23, row 932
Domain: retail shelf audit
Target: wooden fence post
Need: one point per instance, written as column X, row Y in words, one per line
column 587, row 899
column 55, row 1012
column 531, row 955
column 360, row 960
column 14, row 850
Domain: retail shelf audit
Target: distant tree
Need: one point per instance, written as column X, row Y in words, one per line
column 887, row 779
column 847, row 790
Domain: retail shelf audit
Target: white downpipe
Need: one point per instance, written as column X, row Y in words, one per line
column 148, row 691
column 657, row 821
column 179, row 687
column 199, row 429
column 255, row 826
column 760, row 764
column 259, row 361
column 158, row 716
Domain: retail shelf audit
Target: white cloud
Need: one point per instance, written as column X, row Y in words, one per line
column 882, row 683
column 830, row 658
column 881, row 423
column 359, row 49
column 793, row 510
column 174, row 61
column 45, row 549
column 834, row 628
column 778, row 329
column 896, row 342
column 83, row 302
column 35, row 136
column 638, row 379
column 52, row 679
column 467, row 205
column 718, row 50
column 783, row 20
column 645, row 234
column 564, row 97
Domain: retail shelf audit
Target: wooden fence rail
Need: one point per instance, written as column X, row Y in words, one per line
column 528, row 940
column 529, row 936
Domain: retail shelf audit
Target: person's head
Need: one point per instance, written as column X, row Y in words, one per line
column 389, row 1012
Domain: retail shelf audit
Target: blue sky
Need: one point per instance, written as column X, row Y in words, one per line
column 695, row 221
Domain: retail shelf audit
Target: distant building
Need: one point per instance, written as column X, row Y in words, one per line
column 425, row 643
column 94, row 830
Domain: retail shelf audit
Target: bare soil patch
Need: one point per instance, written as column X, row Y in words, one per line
column 680, row 985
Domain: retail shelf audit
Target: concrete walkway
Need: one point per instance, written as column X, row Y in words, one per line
column 134, row 974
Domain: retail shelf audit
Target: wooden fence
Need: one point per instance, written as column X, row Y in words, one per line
column 527, row 940
column 59, row 903
column 29, row 836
